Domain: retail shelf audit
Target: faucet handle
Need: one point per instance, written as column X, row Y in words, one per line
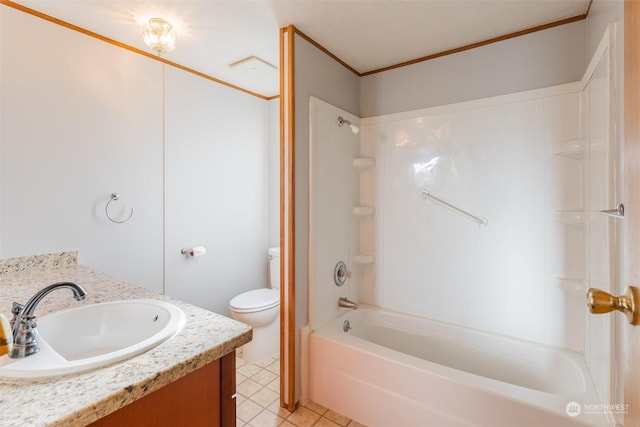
column 25, row 342
column 16, row 308
column 341, row 273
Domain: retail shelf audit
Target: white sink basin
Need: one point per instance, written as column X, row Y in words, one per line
column 95, row 335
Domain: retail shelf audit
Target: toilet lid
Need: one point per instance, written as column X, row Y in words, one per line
column 259, row 299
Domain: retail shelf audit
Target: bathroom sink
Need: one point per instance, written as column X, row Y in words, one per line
column 95, row 335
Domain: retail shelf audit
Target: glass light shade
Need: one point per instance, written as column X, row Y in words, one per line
column 159, row 35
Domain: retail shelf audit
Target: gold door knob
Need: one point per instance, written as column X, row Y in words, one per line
column 600, row 302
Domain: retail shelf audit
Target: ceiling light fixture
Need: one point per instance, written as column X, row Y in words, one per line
column 159, row 35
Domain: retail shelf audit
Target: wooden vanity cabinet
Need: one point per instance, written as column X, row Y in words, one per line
column 205, row 397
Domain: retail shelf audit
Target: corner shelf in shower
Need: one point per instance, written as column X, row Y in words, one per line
column 363, row 211
column 575, row 218
column 364, row 259
column 571, row 286
column 572, row 149
column 362, row 163
column 599, row 145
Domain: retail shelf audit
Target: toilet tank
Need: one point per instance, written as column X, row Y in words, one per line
column 274, row 268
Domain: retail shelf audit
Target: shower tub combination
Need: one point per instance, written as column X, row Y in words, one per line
column 394, row 369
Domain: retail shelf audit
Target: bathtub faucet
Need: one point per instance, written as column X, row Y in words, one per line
column 343, row 302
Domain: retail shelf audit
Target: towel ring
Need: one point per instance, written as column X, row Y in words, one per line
column 116, row 196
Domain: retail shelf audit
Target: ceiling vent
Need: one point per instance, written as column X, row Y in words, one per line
column 253, row 67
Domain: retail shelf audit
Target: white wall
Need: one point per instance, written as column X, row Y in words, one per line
column 216, row 193
column 601, row 14
column 273, row 165
column 79, row 123
column 82, row 119
column 544, row 58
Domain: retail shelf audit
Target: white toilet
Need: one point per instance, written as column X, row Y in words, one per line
column 260, row 308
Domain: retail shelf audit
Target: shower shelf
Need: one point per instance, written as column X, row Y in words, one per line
column 572, row 149
column 364, row 259
column 571, row 217
column 573, row 286
column 363, row 211
column 362, row 163
column 599, row 144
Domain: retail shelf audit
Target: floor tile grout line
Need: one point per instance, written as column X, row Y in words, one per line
column 260, row 368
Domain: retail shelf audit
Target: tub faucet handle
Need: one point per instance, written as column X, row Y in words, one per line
column 600, row 302
column 341, row 273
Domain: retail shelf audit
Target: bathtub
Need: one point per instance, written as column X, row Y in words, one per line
column 396, row 370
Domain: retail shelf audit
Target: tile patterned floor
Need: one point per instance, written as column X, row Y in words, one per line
column 258, row 401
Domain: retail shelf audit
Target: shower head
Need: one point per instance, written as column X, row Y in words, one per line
column 354, row 128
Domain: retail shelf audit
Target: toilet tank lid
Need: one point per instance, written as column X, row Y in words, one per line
column 255, row 299
column 274, row 251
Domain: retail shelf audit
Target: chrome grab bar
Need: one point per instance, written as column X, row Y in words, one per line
column 481, row 221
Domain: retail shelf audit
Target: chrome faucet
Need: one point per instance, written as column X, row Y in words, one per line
column 23, row 323
column 343, row 302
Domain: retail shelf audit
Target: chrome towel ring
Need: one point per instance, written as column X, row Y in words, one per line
column 116, row 196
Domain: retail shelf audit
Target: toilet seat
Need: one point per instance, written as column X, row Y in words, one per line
column 256, row 300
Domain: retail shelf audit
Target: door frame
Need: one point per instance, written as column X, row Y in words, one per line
column 630, row 336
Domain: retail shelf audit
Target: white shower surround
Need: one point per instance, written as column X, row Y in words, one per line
column 494, row 158
column 332, row 194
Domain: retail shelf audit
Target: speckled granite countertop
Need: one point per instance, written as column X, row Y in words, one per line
column 79, row 399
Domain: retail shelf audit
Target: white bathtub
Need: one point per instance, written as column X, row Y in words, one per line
column 397, row 370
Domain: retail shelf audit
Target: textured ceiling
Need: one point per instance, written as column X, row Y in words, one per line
column 365, row 34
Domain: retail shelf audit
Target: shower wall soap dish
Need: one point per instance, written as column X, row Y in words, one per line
column 362, row 163
column 364, row 259
column 364, row 210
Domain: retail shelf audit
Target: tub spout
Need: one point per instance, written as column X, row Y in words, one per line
column 343, row 302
